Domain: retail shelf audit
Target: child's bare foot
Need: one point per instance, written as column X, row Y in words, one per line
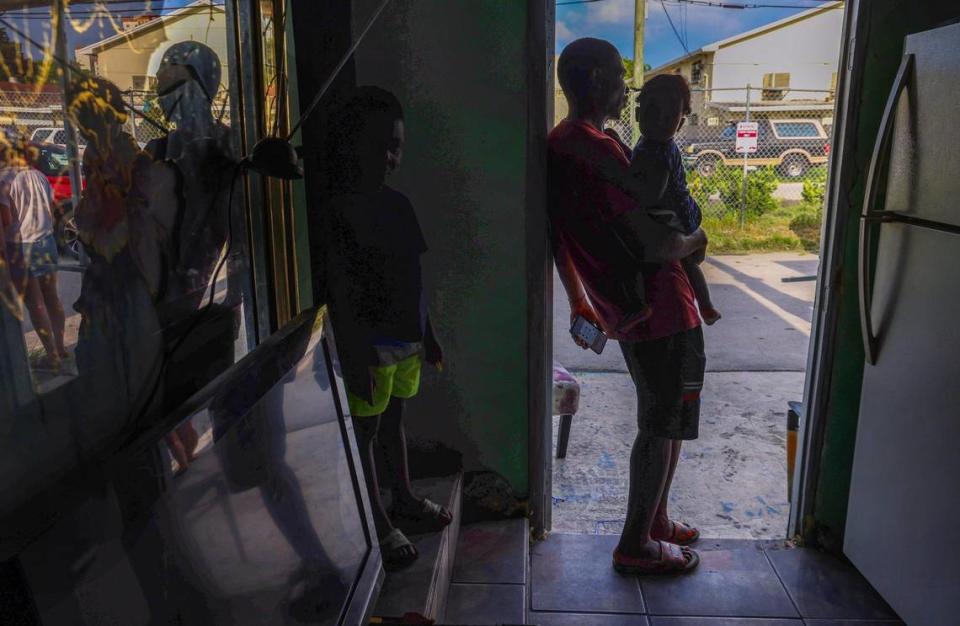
column 710, row 315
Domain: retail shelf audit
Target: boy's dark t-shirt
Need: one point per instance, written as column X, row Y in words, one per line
column 375, row 274
column 676, row 198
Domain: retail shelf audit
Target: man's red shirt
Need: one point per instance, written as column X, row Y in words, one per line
column 582, row 203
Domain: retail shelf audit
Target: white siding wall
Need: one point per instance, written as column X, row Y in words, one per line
column 809, row 50
column 141, row 55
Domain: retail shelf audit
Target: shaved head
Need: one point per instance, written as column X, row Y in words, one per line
column 590, row 71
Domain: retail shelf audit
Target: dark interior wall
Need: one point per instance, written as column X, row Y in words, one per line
column 459, row 69
column 883, row 25
column 322, row 34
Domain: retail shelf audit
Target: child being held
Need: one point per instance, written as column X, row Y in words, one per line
column 662, row 105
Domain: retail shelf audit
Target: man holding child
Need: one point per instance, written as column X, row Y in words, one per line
column 627, row 243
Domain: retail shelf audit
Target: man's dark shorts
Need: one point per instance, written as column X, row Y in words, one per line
column 668, row 374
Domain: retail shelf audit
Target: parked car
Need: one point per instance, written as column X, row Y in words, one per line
column 52, row 162
column 792, row 145
column 56, row 136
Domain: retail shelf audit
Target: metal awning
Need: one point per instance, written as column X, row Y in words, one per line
column 760, row 107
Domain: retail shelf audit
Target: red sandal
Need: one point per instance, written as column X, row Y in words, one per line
column 680, row 534
column 673, row 560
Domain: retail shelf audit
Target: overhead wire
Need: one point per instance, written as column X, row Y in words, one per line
column 674, row 28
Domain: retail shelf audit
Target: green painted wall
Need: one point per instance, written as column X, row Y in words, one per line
column 459, row 70
column 887, row 23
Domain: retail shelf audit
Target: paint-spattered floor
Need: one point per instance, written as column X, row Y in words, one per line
column 732, row 481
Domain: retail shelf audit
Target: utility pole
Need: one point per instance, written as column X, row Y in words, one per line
column 60, row 49
column 743, row 180
column 639, row 16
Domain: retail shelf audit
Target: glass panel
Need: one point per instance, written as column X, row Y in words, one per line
column 119, row 301
column 796, row 129
column 264, row 528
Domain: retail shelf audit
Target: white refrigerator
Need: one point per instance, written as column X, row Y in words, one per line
column 903, row 524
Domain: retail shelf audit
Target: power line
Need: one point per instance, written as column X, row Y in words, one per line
column 560, row 4
column 674, row 28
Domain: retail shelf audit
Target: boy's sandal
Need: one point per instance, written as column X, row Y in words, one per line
column 426, row 516
column 397, row 551
column 48, row 363
column 680, row 534
column 673, row 560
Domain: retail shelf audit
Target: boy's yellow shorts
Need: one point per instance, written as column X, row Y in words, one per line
column 400, row 380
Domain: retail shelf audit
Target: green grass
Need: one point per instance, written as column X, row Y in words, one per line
column 770, row 232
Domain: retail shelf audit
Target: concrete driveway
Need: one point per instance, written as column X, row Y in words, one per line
column 731, row 482
column 765, row 325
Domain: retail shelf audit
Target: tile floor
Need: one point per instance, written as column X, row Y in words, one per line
column 569, row 582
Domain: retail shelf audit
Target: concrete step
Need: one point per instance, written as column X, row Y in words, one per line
column 422, row 588
column 489, row 579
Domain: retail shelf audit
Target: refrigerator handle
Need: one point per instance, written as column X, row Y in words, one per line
column 870, row 216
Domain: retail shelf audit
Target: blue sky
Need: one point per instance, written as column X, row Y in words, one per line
column 83, row 28
column 613, row 20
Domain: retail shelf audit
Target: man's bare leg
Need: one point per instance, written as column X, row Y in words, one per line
column 661, row 521
column 650, row 462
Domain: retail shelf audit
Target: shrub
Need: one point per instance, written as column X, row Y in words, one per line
column 806, row 225
column 815, row 186
column 727, row 182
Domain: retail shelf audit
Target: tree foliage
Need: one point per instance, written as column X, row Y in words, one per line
column 14, row 64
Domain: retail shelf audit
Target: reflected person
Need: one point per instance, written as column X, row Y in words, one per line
column 119, row 347
column 26, row 198
column 200, row 155
column 251, row 436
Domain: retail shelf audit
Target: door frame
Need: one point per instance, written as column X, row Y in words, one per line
column 843, row 171
column 539, row 261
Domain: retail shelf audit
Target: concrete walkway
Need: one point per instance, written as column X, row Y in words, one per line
column 731, row 482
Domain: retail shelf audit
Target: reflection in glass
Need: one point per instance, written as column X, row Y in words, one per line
column 129, row 298
column 233, row 540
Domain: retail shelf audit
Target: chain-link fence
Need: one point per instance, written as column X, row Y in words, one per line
column 36, row 114
column 30, row 112
column 148, row 122
column 749, row 151
column 625, row 127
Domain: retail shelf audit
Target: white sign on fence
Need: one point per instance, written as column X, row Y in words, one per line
column 746, row 137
